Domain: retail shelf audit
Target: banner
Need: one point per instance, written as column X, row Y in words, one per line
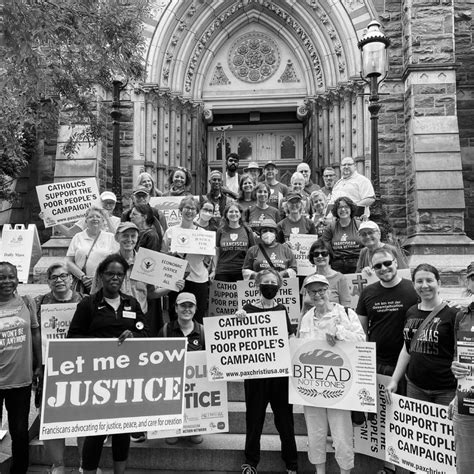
column 223, row 298
column 158, row 268
column 288, row 295
column 96, row 386
column 169, row 206
column 252, row 347
column 300, row 245
column 197, row 241
column 18, row 245
column 419, row 436
column 205, row 409
column 55, row 321
column 341, row 376
column 369, row 438
column 465, row 389
column 66, row 201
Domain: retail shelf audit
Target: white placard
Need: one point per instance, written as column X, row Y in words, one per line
column 195, row 241
column 341, row 376
column 253, row 347
column 300, row 245
column 158, row 268
column 66, row 201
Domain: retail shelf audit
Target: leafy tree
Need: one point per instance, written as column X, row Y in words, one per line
column 55, row 53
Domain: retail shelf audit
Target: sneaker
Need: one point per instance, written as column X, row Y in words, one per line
column 196, row 439
column 248, row 469
column 138, row 437
column 171, row 441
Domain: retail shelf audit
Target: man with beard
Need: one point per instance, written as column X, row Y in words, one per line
column 231, row 181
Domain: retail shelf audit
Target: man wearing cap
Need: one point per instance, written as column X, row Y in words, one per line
column 231, row 181
column 369, row 233
column 309, row 186
column 254, row 170
column 295, row 222
column 354, row 185
column 382, row 309
column 218, row 196
column 329, row 178
column 277, row 190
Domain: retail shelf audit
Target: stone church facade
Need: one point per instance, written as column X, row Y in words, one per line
column 285, row 75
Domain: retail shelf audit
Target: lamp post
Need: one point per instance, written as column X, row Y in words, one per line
column 116, row 172
column 374, row 64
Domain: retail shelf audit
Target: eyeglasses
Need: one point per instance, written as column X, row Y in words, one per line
column 329, row 175
column 114, row 275
column 386, row 263
column 323, row 253
column 62, row 276
column 321, row 291
column 367, row 233
column 191, row 209
column 204, row 209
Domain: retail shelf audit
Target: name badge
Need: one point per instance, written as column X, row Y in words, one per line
column 129, row 314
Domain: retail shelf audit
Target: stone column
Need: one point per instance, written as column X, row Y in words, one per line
column 435, row 195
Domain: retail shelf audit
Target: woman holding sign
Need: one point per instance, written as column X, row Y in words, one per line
column 260, row 392
column 108, row 314
column 330, row 322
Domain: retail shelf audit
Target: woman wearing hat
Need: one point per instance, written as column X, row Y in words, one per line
column 295, row 222
column 369, row 233
column 254, row 170
column 330, row 322
column 269, row 254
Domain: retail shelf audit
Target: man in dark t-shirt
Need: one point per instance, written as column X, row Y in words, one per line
column 382, row 309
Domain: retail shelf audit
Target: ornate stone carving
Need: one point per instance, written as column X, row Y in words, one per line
column 254, row 57
column 289, row 74
column 219, row 78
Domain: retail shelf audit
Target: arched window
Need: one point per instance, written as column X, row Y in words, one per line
column 244, row 148
column 219, row 148
column 288, row 148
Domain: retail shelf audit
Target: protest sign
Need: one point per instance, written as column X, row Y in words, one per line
column 196, row 241
column 340, row 376
column 169, row 206
column 252, row 347
column 19, row 244
column 300, row 245
column 66, row 201
column 465, row 389
column 288, row 295
column 369, row 438
column 158, row 268
column 419, row 436
column 96, row 386
column 205, row 409
column 55, row 321
column 223, row 298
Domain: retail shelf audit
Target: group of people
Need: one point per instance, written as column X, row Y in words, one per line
column 253, row 217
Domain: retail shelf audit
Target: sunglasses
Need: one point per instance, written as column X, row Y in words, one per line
column 386, row 263
column 324, row 253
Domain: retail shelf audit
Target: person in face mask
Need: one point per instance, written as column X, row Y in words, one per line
column 205, row 218
column 260, row 392
column 269, row 253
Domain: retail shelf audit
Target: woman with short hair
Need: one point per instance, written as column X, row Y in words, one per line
column 179, row 182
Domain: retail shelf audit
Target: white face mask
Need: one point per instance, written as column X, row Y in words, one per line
column 268, row 238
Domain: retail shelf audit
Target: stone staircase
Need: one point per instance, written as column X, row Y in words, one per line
column 218, row 453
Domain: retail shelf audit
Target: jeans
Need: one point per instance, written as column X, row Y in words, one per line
column 441, row 397
column 17, row 403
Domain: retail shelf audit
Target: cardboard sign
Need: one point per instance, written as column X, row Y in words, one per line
column 300, row 245
column 205, row 409
column 18, row 245
column 158, row 269
column 169, row 205
column 55, row 321
column 419, row 436
column 223, row 298
column 341, row 376
column 369, row 438
column 195, row 241
column 288, row 295
column 253, row 347
column 96, row 386
column 66, row 201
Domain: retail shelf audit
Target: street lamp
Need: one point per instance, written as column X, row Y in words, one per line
column 116, row 114
column 374, row 62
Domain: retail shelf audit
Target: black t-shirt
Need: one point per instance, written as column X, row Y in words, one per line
column 433, row 352
column 195, row 337
column 233, row 246
column 386, row 310
column 251, row 308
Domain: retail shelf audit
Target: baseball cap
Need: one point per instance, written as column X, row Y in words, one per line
column 141, row 189
column 270, row 163
column 293, row 196
column 108, row 196
column 470, row 269
column 215, row 174
column 253, row 165
column 186, row 298
column 268, row 224
column 369, row 225
column 315, row 279
column 123, row 226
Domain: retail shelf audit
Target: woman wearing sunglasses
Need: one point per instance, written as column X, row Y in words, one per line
column 320, row 254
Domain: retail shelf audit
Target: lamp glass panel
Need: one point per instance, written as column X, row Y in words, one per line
column 374, row 59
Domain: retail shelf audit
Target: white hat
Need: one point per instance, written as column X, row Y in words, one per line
column 315, row 279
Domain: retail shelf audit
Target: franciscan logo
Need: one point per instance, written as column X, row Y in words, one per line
column 321, row 374
column 148, row 264
column 183, row 239
column 233, row 237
